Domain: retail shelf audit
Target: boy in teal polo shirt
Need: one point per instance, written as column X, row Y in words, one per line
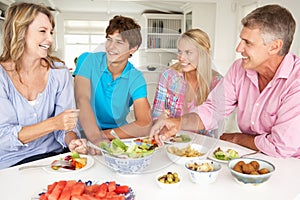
column 107, row 84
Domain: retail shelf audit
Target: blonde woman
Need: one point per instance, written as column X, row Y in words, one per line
column 37, row 117
column 187, row 83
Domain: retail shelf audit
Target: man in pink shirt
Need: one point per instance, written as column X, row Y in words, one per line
column 264, row 85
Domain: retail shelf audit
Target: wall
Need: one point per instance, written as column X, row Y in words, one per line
column 294, row 7
column 203, row 17
column 225, row 35
column 3, row 7
column 227, row 29
column 1, row 25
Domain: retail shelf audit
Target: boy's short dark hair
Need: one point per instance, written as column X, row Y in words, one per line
column 127, row 27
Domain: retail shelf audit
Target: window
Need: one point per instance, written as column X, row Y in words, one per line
column 86, row 36
column 76, row 44
column 82, row 36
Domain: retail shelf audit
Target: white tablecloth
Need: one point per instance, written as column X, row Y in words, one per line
column 284, row 183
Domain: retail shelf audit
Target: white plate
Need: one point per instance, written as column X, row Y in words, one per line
column 90, row 163
column 129, row 196
column 171, row 139
column 212, row 156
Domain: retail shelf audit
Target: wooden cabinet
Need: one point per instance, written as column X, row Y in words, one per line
column 162, row 31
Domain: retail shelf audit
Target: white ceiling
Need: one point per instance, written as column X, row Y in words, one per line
column 116, row 6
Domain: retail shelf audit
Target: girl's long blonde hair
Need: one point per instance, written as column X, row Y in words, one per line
column 201, row 40
column 17, row 19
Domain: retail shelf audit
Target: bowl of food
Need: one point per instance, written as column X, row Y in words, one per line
column 251, row 171
column 127, row 157
column 169, row 180
column 180, row 153
column 203, row 171
column 151, row 68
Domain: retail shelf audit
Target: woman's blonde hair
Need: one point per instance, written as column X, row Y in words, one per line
column 17, row 19
column 201, row 40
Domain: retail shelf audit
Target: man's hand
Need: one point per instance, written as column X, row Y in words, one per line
column 164, row 128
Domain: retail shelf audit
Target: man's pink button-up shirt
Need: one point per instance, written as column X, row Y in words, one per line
column 273, row 114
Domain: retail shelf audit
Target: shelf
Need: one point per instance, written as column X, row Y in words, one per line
column 162, row 41
column 163, row 31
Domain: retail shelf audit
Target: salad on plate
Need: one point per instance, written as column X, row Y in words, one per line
column 76, row 163
column 225, row 155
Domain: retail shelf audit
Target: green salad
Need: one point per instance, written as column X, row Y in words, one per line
column 225, row 155
column 134, row 150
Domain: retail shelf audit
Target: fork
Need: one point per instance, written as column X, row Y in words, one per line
column 55, row 163
column 114, row 134
column 249, row 154
column 90, row 144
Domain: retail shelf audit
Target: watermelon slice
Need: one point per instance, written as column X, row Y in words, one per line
column 66, row 193
column 57, row 190
column 78, row 188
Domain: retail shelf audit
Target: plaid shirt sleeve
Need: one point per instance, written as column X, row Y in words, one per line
column 169, row 94
column 160, row 96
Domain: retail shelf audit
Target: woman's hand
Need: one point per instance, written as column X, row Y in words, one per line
column 66, row 120
column 78, row 145
column 97, row 142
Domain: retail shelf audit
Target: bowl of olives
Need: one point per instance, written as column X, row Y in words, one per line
column 168, row 180
column 250, row 171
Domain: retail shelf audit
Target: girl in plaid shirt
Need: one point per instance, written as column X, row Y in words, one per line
column 187, row 83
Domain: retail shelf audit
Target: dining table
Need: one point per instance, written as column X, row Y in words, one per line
column 284, row 183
